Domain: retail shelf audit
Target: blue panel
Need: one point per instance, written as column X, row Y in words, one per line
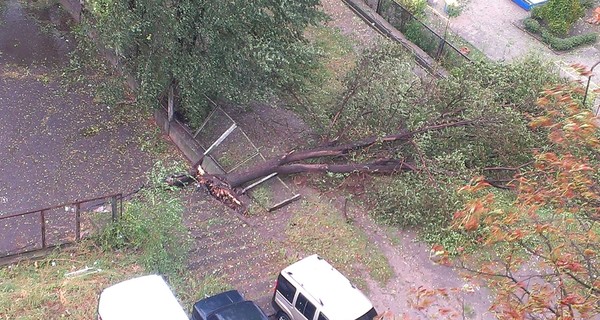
column 523, row 4
column 527, row 5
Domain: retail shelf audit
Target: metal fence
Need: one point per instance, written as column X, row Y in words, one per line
column 54, row 226
column 225, row 148
column 230, row 149
column 432, row 38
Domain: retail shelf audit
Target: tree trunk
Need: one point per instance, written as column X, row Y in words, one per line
column 224, row 187
column 283, row 165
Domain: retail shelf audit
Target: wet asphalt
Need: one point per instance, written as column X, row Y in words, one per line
column 57, row 144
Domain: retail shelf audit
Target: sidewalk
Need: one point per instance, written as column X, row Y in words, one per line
column 491, row 27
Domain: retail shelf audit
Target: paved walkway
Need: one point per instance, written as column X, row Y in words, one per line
column 231, row 249
column 491, row 27
column 56, row 143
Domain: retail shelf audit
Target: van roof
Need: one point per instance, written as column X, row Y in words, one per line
column 147, row 297
column 333, row 293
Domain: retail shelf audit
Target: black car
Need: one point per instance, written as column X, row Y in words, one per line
column 229, row 305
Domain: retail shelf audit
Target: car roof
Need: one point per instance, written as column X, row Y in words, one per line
column 208, row 305
column 147, row 297
column 336, row 296
column 245, row 310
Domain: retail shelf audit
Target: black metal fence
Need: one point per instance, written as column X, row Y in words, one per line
column 50, row 227
column 435, row 43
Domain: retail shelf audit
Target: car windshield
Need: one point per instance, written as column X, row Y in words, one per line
column 246, row 310
column 369, row 315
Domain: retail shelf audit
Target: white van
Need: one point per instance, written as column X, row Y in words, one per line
column 312, row 289
column 143, row 298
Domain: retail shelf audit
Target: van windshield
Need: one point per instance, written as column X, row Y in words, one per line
column 369, row 315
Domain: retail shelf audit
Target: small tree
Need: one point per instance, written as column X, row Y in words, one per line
column 541, row 251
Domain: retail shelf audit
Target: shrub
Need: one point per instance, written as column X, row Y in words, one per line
column 588, row 4
column 454, row 11
column 568, row 43
column 560, row 15
column 416, row 7
column 153, row 226
column 419, row 35
column 412, row 200
column 556, row 43
column 532, row 25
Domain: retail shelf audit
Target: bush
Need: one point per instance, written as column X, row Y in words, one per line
column 532, row 25
column 153, row 226
column 556, row 43
column 568, row 43
column 588, row 4
column 412, row 200
column 416, row 7
column 453, row 11
column 559, row 15
column 423, row 38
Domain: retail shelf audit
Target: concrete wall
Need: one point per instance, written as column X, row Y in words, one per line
column 184, row 140
column 180, row 136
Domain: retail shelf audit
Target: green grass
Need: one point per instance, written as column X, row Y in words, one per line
column 262, row 198
column 39, row 289
column 338, row 56
column 150, row 237
column 319, row 228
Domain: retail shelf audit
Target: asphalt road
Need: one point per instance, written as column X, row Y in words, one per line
column 57, row 145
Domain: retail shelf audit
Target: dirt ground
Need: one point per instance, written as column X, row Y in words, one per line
column 409, row 258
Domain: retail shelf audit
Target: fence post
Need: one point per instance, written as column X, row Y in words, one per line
column 438, row 54
column 113, row 206
column 444, row 41
column 170, row 108
column 43, row 229
column 77, row 221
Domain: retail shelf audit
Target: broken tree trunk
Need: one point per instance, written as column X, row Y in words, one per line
column 225, row 187
column 287, row 164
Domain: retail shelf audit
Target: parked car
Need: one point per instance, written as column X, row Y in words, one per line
column 147, row 298
column 150, row 298
column 229, row 305
column 312, row 289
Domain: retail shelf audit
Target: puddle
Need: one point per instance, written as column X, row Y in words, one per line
column 26, row 38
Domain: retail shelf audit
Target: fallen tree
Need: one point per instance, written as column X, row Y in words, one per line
column 227, row 187
column 387, row 121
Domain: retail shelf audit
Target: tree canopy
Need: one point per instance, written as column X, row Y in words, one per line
column 237, row 50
